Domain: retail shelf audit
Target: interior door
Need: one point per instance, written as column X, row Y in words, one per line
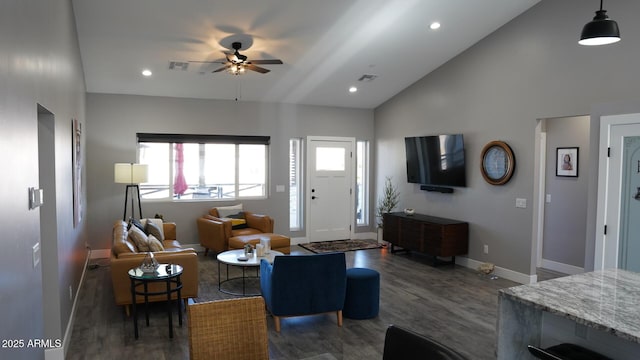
column 330, row 202
column 619, row 189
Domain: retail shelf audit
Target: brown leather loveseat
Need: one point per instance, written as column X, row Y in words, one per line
column 125, row 255
column 219, row 233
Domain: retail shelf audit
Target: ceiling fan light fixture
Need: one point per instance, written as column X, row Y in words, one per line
column 600, row 31
column 236, row 69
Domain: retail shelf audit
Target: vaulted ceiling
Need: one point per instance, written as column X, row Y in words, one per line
column 326, row 46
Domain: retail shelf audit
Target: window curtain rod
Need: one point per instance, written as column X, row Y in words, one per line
column 206, row 139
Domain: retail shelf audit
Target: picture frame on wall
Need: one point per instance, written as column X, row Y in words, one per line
column 567, row 161
column 76, row 161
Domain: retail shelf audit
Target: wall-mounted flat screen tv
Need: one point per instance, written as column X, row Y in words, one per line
column 436, row 160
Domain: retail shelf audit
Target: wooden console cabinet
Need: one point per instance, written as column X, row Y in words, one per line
column 431, row 235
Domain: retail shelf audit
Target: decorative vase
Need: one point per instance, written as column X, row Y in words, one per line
column 149, row 264
column 248, row 250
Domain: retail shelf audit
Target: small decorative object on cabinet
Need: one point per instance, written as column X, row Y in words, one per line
column 497, row 163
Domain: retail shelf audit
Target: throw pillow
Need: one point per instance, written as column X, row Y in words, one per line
column 151, row 228
column 154, row 244
column 135, row 223
column 238, row 221
column 225, row 211
column 139, row 238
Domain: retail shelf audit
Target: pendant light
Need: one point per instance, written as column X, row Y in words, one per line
column 600, row 31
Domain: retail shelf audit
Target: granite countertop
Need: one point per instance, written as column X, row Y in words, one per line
column 607, row 300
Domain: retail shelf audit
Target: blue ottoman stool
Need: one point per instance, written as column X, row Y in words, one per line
column 363, row 294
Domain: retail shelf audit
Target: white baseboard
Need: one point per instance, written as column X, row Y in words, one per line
column 563, row 268
column 498, row 271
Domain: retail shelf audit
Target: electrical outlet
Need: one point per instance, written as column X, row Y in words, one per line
column 548, row 198
column 486, row 249
column 521, row 203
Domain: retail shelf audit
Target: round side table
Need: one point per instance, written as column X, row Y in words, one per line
column 165, row 273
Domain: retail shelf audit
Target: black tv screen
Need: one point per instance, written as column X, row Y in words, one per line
column 436, row 160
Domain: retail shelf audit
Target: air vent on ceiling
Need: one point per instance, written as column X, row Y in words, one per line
column 178, row 65
column 367, row 77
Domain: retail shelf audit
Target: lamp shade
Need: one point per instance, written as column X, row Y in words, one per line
column 126, row 173
column 600, row 31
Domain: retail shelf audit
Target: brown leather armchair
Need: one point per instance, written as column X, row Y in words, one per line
column 214, row 232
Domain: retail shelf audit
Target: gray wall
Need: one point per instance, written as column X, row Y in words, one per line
column 565, row 220
column 39, row 64
column 114, row 121
column 531, row 68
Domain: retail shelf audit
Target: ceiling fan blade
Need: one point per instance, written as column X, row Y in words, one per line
column 209, row 62
column 257, row 68
column 222, row 68
column 272, row 62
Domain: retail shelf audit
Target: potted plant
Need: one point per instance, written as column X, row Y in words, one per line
column 386, row 203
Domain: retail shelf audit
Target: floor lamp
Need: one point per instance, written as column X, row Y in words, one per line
column 132, row 175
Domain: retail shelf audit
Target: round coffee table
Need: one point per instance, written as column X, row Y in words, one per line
column 230, row 258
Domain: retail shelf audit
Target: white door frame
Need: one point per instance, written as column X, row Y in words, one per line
column 539, row 192
column 352, row 181
column 606, row 254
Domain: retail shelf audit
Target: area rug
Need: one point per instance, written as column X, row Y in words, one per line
column 341, row 245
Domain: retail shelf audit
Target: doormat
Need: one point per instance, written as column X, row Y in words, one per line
column 341, row 245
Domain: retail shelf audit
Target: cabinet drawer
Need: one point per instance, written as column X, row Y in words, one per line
column 411, row 235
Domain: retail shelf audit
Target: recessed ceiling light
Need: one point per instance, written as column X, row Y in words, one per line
column 434, row 25
column 353, row 89
column 146, row 72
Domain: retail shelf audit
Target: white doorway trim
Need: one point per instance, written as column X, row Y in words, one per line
column 606, row 254
column 539, row 192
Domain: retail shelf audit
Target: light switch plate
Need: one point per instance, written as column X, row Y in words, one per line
column 279, row 188
column 35, row 197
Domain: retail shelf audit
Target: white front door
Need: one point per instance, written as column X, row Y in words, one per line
column 330, row 206
column 619, row 194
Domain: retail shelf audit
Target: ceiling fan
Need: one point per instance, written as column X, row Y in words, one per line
column 237, row 63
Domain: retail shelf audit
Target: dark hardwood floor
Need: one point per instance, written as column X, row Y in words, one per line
column 451, row 304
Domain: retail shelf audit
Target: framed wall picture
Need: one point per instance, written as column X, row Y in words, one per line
column 76, row 161
column 567, row 161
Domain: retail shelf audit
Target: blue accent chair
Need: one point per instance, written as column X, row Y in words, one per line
column 298, row 285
